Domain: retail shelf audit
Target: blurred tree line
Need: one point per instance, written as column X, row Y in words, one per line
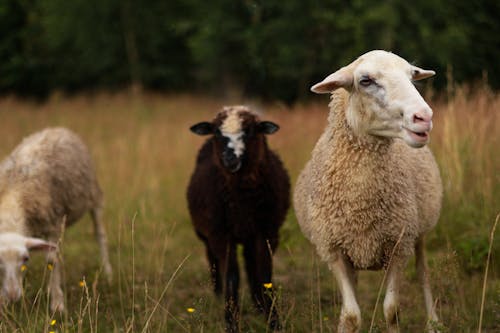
column 268, row 48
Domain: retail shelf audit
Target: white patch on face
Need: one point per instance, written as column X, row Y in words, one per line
column 235, row 142
column 232, row 123
column 231, row 128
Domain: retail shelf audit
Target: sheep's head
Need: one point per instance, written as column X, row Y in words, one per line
column 383, row 100
column 238, row 136
column 14, row 255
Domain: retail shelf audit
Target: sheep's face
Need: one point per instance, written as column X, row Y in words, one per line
column 238, row 136
column 14, row 255
column 383, row 100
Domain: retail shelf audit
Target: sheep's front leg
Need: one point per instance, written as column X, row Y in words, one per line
column 391, row 301
column 230, row 268
column 259, row 266
column 54, row 286
column 214, row 268
column 350, row 316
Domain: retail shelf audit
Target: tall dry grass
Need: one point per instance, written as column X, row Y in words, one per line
column 144, row 155
column 466, row 143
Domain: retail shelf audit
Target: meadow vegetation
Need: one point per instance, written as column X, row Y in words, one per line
column 144, row 155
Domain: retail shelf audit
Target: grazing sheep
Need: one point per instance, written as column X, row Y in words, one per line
column 239, row 193
column 47, row 180
column 366, row 199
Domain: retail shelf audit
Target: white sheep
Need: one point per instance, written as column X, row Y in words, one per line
column 48, row 179
column 366, row 199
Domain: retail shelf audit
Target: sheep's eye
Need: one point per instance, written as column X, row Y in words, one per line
column 366, row 81
column 25, row 259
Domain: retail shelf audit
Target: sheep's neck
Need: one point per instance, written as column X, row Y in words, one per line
column 366, row 143
column 345, row 135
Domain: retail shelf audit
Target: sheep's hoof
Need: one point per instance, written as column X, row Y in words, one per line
column 231, row 328
column 231, row 320
column 392, row 316
column 275, row 325
column 349, row 323
column 434, row 326
column 57, row 306
column 393, row 329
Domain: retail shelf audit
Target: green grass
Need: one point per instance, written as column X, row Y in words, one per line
column 144, row 154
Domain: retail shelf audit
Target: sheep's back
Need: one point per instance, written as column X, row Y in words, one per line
column 53, row 174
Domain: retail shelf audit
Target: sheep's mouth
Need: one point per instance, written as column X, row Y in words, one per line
column 418, row 136
column 232, row 166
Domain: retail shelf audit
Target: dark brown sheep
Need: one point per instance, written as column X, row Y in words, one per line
column 239, row 193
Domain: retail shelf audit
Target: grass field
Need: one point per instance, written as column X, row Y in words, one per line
column 144, row 154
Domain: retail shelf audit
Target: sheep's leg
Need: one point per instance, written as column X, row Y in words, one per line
column 259, row 267
column 214, row 272
column 350, row 316
column 229, row 265
column 100, row 232
column 214, row 266
column 54, row 285
column 391, row 301
column 421, row 264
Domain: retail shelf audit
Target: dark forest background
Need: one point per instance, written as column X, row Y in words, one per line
column 271, row 49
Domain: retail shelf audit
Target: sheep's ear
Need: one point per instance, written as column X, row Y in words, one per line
column 39, row 244
column 341, row 78
column 267, row 127
column 203, row 128
column 420, row 74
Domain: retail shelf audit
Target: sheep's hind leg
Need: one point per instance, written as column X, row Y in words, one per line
column 420, row 262
column 350, row 316
column 102, row 239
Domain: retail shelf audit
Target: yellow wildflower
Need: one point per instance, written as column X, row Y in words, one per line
column 81, row 284
column 23, row 268
column 53, row 322
column 190, row 310
column 50, row 267
column 268, row 285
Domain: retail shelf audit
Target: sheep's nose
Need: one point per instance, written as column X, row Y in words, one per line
column 423, row 116
column 229, row 156
column 231, row 161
